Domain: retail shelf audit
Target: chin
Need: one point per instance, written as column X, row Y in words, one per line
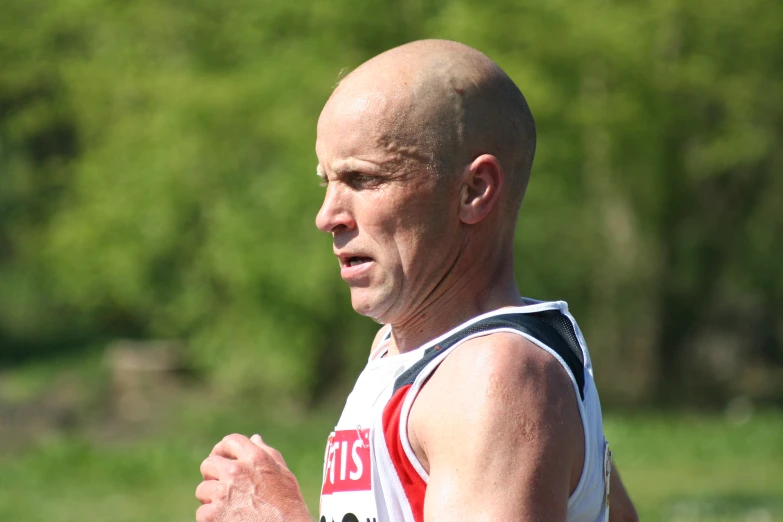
column 368, row 305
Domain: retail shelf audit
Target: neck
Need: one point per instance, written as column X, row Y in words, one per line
column 482, row 286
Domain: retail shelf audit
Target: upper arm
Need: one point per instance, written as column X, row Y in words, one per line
column 508, row 443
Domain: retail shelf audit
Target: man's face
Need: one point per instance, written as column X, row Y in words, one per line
column 393, row 225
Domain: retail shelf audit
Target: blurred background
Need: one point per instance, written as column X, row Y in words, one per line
column 162, row 282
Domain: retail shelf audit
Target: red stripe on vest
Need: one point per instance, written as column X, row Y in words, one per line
column 412, row 483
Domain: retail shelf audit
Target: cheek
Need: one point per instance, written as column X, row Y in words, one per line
column 424, row 239
column 411, row 230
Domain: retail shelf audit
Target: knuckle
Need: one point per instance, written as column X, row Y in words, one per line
column 258, row 457
column 234, row 469
column 225, row 440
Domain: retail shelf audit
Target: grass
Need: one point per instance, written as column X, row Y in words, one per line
column 701, row 468
column 678, row 468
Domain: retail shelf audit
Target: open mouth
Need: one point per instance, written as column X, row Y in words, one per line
column 357, row 260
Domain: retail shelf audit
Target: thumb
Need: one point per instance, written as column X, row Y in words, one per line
column 256, row 439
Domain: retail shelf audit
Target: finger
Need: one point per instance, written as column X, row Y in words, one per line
column 210, row 468
column 206, row 513
column 276, row 456
column 233, row 446
column 210, row 490
column 272, row 452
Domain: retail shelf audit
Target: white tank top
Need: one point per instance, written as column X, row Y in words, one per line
column 371, row 473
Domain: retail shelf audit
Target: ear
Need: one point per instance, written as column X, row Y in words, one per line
column 480, row 191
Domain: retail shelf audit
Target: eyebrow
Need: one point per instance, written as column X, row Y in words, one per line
column 352, row 164
column 343, row 168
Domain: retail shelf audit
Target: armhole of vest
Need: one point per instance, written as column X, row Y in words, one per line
column 587, row 462
column 586, row 434
column 580, row 402
column 407, row 404
column 428, row 370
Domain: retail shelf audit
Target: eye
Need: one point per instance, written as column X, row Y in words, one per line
column 358, row 180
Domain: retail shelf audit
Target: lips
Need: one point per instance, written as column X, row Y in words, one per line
column 353, row 265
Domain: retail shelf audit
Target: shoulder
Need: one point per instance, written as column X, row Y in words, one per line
column 497, row 385
column 499, row 411
column 504, row 362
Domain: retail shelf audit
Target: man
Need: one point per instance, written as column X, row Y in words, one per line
column 476, row 404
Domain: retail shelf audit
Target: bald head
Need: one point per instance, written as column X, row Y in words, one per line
column 442, row 104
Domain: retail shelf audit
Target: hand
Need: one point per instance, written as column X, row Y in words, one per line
column 247, row 481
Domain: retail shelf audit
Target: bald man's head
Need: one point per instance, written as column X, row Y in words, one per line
column 442, row 104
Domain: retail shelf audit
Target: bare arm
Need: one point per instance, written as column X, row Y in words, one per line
column 508, row 442
column 621, row 508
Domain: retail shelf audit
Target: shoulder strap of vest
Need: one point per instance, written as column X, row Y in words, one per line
column 550, row 327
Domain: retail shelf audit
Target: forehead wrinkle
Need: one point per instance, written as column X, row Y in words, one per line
column 402, row 150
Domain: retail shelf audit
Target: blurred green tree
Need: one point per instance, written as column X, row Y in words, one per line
column 154, row 163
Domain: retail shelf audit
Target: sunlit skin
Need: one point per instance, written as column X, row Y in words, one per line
column 373, row 204
column 432, row 263
column 424, row 153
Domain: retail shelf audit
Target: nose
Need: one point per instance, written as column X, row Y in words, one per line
column 335, row 211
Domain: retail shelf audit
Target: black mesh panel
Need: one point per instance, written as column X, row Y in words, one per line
column 564, row 328
column 554, row 331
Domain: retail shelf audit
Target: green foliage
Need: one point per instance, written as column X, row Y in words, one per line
column 156, row 180
column 676, row 468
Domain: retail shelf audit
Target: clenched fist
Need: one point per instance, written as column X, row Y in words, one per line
column 247, row 481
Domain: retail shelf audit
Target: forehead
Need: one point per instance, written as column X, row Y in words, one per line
column 359, row 119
